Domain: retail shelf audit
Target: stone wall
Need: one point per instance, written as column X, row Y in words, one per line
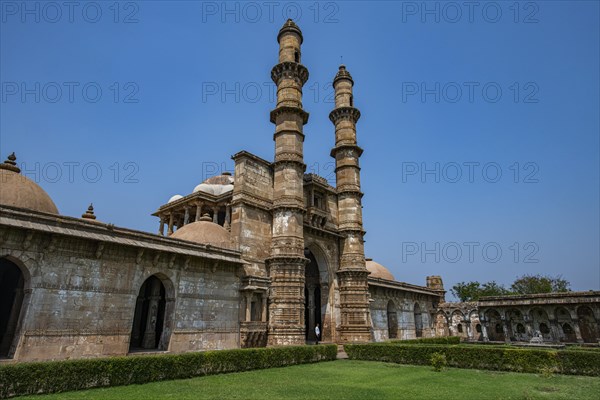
column 404, row 312
column 251, row 220
column 80, row 294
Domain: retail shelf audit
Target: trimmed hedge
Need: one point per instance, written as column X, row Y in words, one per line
column 430, row 340
column 61, row 376
column 483, row 357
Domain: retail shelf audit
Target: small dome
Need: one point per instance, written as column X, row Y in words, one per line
column 224, row 179
column 19, row 191
column 174, row 198
column 203, row 187
column 204, row 231
column 216, row 185
column 379, row 271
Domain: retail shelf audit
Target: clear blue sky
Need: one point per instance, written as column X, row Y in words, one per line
column 483, row 89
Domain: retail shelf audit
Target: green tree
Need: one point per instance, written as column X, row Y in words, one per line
column 530, row 284
column 472, row 291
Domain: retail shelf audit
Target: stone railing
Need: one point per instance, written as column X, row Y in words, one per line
column 253, row 334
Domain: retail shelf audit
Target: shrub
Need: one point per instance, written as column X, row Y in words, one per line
column 431, row 340
column 438, row 361
column 482, row 357
column 579, row 362
column 61, row 376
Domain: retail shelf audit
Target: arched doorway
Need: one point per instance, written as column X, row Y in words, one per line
column 312, row 297
column 149, row 317
column 12, row 283
column 457, row 321
column 541, row 323
column 475, row 326
column 392, row 320
column 587, row 324
column 566, row 331
column 418, row 321
column 495, row 331
column 517, row 326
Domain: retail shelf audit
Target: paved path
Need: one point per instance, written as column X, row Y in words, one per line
column 341, row 355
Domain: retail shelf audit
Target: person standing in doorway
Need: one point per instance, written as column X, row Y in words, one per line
column 317, row 334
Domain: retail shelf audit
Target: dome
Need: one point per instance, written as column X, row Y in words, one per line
column 379, row 271
column 204, row 231
column 223, row 179
column 174, row 198
column 17, row 190
column 216, row 185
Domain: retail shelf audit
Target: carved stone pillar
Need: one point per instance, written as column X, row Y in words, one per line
column 506, row 330
column 227, row 224
column 484, row 332
column 161, row 228
column 528, row 326
column 215, row 214
column 198, row 211
column 263, row 315
column 248, row 306
column 554, row 331
column 186, row 217
column 170, row 227
column 577, row 330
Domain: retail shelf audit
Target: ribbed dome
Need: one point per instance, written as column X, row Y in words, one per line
column 379, row 271
column 19, row 191
column 205, row 232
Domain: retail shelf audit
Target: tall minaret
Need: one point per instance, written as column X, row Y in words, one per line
column 352, row 274
column 287, row 261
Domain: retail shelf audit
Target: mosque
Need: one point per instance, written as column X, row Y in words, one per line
column 249, row 259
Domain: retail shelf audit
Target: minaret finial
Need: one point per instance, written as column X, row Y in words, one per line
column 89, row 214
column 341, row 74
column 10, row 163
column 290, row 26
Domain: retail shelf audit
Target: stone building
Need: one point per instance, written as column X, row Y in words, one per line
column 570, row 317
column 253, row 258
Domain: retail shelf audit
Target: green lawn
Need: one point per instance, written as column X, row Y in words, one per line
column 345, row 379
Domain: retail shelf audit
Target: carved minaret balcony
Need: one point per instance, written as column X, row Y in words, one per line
column 352, row 275
column 287, row 261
